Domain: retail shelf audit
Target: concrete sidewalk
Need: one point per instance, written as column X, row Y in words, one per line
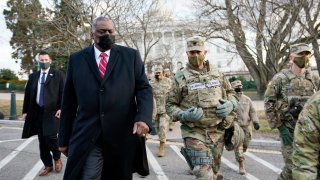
column 7, row 96
column 263, row 144
column 19, row 96
column 174, row 136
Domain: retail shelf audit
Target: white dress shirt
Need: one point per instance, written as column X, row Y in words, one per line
column 97, row 55
column 39, row 82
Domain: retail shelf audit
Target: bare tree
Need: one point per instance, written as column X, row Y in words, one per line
column 140, row 24
column 260, row 31
column 66, row 26
column 310, row 22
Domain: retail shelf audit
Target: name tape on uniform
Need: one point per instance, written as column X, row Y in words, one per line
column 210, row 84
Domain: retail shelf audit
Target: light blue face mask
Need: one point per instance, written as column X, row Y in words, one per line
column 44, row 65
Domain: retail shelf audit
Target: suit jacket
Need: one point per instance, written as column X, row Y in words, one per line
column 53, row 89
column 110, row 106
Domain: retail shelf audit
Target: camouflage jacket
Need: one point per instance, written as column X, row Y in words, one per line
column 284, row 87
column 245, row 111
column 192, row 88
column 306, row 145
column 160, row 91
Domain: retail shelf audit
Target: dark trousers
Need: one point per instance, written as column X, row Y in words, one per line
column 92, row 168
column 47, row 144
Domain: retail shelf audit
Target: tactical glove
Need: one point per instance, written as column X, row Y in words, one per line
column 256, row 125
column 225, row 107
column 296, row 111
column 285, row 135
column 191, row 115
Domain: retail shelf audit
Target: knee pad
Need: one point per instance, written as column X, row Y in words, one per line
column 196, row 158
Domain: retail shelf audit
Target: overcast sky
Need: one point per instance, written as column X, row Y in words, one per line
column 179, row 6
column 5, row 49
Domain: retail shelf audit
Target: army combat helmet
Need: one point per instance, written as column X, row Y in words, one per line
column 234, row 137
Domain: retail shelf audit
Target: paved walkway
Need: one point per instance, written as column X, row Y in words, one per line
column 175, row 136
column 19, row 96
column 7, row 96
column 259, row 105
column 172, row 136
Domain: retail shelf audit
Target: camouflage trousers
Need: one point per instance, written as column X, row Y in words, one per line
column 287, row 151
column 246, row 141
column 214, row 144
column 162, row 126
column 171, row 123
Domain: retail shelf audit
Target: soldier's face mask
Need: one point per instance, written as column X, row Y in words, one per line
column 158, row 76
column 44, row 65
column 237, row 89
column 301, row 62
column 196, row 60
column 106, row 42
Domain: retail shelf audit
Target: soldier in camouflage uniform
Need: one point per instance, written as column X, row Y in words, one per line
column 160, row 87
column 306, row 145
column 167, row 73
column 200, row 99
column 246, row 113
column 285, row 97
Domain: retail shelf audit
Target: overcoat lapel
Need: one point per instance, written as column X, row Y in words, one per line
column 49, row 76
column 90, row 58
column 113, row 59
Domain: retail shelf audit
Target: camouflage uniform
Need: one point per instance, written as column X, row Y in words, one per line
column 205, row 138
column 167, row 74
column 246, row 113
column 285, row 88
column 306, row 146
column 161, row 119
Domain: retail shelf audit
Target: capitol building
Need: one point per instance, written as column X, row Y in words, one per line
column 170, row 51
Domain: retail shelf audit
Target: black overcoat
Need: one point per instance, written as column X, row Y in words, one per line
column 92, row 105
column 53, row 89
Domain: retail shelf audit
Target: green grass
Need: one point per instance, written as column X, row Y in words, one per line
column 5, row 108
column 252, row 94
column 265, row 132
column 264, row 126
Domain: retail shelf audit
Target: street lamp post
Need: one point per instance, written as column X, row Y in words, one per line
column 13, row 109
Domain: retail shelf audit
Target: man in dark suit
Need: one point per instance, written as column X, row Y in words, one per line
column 106, row 109
column 41, row 111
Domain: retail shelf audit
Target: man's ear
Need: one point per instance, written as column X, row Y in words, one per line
column 290, row 58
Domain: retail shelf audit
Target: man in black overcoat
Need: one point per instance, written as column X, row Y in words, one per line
column 106, row 110
column 41, row 111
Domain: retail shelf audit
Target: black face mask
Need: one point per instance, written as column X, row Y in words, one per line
column 157, row 76
column 106, row 42
column 237, row 89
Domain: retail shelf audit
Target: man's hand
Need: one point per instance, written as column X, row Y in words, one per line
column 225, row 108
column 23, row 117
column 191, row 115
column 64, row 150
column 285, row 135
column 256, row 126
column 140, row 128
column 58, row 114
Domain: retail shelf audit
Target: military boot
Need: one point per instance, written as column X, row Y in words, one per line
column 161, row 149
column 217, row 176
column 242, row 170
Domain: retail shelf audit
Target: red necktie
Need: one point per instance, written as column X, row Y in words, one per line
column 103, row 64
